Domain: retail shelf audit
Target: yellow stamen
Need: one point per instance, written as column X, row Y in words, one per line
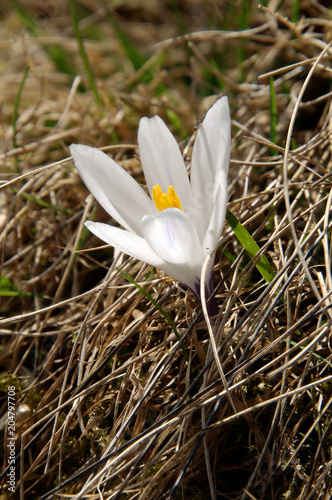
column 164, row 200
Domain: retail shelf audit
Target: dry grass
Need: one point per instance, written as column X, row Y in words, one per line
column 109, row 404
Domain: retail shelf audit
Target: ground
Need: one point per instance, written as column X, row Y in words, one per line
column 115, row 382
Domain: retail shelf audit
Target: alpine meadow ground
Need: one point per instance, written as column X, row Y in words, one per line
column 115, row 383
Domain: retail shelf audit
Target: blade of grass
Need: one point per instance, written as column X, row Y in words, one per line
column 250, row 246
column 179, row 17
column 324, row 360
column 86, row 64
column 29, row 21
column 8, row 289
column 63, row 62
column 174, row 120
column 42, row 203
column 133, row 55
column 296, row 11
column 243, row 25
column 12, row 293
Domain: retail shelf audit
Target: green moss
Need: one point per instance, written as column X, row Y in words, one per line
column 10, row 380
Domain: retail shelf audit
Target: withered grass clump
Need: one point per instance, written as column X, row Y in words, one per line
column 109, row 403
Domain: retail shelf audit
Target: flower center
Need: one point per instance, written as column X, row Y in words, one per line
column 164, row 200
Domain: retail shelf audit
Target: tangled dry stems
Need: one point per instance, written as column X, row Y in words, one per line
column 110, row 403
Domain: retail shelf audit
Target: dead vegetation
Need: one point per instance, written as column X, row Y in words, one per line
column 109, row 403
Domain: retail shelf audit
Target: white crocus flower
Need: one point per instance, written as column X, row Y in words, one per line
column 181, row 222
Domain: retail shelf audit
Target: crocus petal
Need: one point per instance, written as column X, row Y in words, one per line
column 126, row 242
column 173, row 237
column 161, row 158
column 210, row 162
column 217, row 219
column 137, row 247
column 116, row 191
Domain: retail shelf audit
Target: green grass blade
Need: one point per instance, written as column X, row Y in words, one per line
column 296, row 12
column 320, row 358
column 133, row 55
column 42, row 203
column 29, row 21
column 180, row 19
column 7, row 289
column 86, row 64
column 250, row 246
column 174, row 120
column 62, row 60
column 11, row 293
column 243, row 17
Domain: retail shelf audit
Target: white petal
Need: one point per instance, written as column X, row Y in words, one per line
column 137, row 247
column 116, row 191
column 210, row 162
column 161, row 158
column 217, row 219
column 127, row 242
column 173, row 237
